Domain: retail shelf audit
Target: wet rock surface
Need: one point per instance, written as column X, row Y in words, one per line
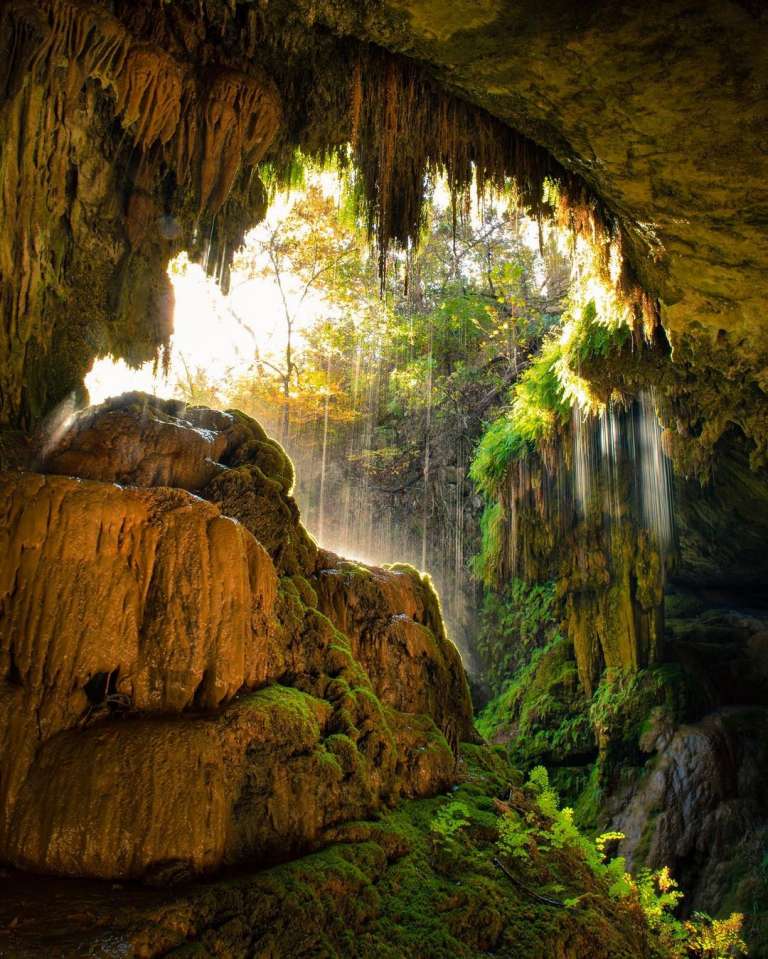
column 701, row 809
column 172, row 699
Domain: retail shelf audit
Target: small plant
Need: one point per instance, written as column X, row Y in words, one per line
column 449, row 821
column 716, row 938
column 515, row 836
column 655, row 891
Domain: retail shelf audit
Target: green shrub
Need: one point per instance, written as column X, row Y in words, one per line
column 655, row 891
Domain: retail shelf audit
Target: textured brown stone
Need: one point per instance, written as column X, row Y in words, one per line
column 392, row 618
column 162, row 798
column 167, row 704
column 153, row 588
column 140, row 440
column 135, row 441
column 700, row 808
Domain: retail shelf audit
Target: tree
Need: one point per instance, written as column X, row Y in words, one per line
column 313, row 252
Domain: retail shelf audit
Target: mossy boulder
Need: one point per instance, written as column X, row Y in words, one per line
column 183, row 670
column 140, row 440
column 385, row 889
column 262, row 778
column 392, row 618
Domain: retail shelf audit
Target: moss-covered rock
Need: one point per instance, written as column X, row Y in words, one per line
column 263, row 778
column 393, row 621
column 179, row 667
column 542, row 712
column 389, row 888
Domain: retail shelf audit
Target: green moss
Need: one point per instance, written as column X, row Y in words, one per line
column 486, row 565
column 537, row 407
column 594, row 337
column 513, row 622
column 626, row 704
column 589, row 802
column 539, row 704
column 305, row 591
column 542, row 710
column 390, row 889
column 284, row 703
column 346, row 753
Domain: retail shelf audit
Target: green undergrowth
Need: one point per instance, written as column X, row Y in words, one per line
column 542, row 713
column 514, row 621
column 539, row 708
column 540, row 401
column 537, row 406
column 424, row 881
column 630, row 709
column 496, row 867
column 537, row 703
column 545, row 717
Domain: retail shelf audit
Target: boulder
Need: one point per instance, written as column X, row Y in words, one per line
column 169, row 702
column 145, row 600
column 392, row 618
column 701, row 808
column 140, row 440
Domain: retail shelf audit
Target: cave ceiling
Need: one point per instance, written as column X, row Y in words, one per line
column 659, row 109
column 662, row 108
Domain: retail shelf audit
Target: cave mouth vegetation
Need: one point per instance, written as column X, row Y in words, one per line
column 384, row 467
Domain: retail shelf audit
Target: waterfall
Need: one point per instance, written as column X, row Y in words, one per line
column 655, row 474
column 618, row 455
column 608, row 470
column 427, row 440
column 324, row 456
column 583, row 462
column 593, row 510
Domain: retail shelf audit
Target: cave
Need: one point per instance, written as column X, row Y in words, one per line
column 481, row 674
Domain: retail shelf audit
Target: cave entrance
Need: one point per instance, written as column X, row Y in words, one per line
column 379, row 389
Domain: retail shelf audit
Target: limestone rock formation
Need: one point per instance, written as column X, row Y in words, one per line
column 122, row 146
column 701, row 807
column 130, row 131
column 136, row 441
column 145, row 598
column 173, row 698
column 403, row 653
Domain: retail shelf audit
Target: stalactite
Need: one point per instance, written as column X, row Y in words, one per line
column 125, row 147
column 179, row 113
column 405, row 130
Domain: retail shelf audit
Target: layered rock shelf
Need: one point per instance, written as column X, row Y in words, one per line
column 188, row 680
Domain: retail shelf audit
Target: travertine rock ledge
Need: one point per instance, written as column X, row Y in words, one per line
column 173, row 696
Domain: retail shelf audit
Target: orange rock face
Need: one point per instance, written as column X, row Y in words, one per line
column 150, row 597
column 137, row 444
column 171, row 703
column 392, row 618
